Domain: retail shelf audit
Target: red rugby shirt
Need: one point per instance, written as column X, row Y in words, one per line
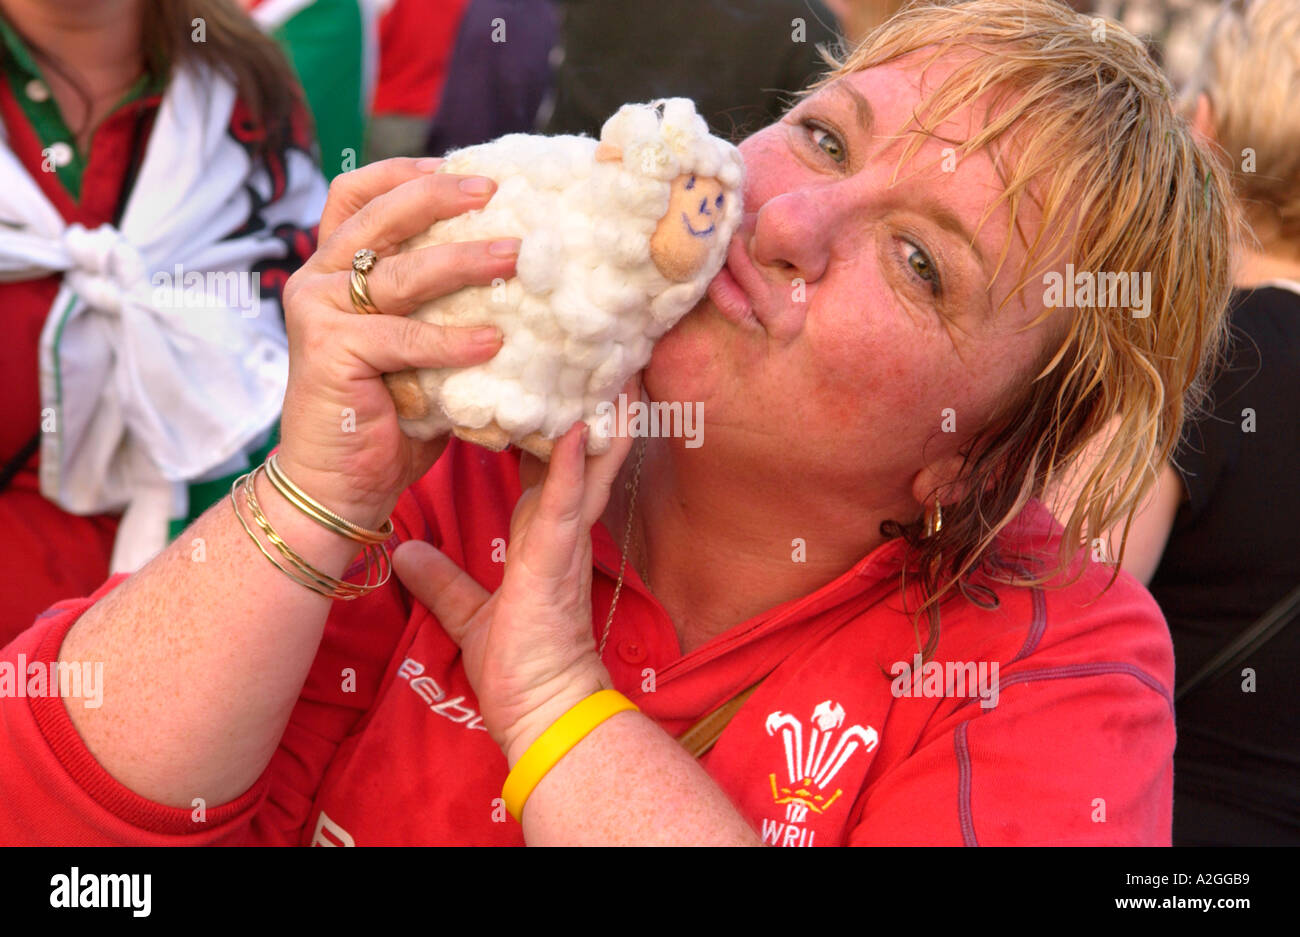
column 1078, row 748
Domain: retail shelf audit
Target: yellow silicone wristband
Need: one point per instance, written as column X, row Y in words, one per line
column 556, row 742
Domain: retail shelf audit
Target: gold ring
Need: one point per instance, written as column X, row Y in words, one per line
column 363, row 261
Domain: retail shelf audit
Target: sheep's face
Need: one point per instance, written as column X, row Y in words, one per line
column 686, row 234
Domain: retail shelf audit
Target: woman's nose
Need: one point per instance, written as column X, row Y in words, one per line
column 791, row 233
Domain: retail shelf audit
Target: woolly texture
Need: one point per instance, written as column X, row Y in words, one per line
column 618, row 243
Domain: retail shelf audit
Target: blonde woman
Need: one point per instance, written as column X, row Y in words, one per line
column 841, row 577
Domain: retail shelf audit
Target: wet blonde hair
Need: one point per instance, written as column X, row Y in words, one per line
column 1250, row 71
column 1091, row 134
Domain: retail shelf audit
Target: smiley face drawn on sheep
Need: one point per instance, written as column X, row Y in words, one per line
column 619, row 239
column 680, row 250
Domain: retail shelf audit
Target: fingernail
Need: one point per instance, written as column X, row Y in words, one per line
column 476, row 185
column 487, row 335
column 506, row 247
column 428, row 164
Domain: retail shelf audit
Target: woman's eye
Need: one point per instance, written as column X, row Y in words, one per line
column 921, row 265
column 829, row 143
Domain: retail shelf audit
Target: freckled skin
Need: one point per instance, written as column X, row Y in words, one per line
column 859, row 372
column 680, row 244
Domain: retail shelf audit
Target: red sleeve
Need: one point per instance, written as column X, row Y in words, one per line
column 1078, row 755
column 56, row 793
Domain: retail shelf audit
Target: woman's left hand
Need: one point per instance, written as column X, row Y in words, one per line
column 528, row 648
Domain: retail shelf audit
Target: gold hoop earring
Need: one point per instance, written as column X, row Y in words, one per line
column 934, row 519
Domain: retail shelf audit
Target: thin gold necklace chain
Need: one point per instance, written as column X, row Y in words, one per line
column 631, row 486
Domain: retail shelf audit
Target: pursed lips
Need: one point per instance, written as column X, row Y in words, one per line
column 742, row 270
column 762, row 296
column 736, row 284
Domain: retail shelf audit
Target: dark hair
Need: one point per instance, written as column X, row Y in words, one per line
column 234, row 44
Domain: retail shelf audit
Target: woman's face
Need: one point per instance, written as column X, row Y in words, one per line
column 851, row 333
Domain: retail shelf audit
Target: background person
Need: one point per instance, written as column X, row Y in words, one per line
column 499, row 76
column 416, row 38
column 124, row 156
column 1218, row 542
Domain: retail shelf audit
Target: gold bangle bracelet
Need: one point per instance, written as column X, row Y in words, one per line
column 335, row 587
column 306, row 575
column 310, row 577
column 318, row 512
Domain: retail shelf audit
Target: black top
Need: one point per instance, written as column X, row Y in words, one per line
column 737, row 59
column 1234, row 552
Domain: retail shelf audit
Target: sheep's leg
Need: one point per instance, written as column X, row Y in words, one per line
column 491, row 436
column 538, row 445
column 408, row 396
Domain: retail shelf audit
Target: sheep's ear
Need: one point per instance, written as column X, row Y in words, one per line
column 608, row 152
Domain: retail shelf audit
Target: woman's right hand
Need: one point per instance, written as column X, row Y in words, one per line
column 340, row 441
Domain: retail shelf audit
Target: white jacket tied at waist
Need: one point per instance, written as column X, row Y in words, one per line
column 153, row 383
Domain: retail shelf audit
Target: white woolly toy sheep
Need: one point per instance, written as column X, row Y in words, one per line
column 619, row 240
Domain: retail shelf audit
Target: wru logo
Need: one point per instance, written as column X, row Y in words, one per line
column 810, row 771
